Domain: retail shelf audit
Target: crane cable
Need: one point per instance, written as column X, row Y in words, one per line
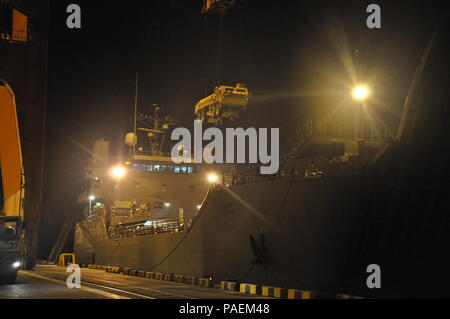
column 205, row 54
column 188, row 231
column 241, row 31
column 219, row 49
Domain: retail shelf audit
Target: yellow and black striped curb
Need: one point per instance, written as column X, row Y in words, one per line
column 229, row 285
column 273, row 292
column 205, row 282
column 133, row 272
column 158, row 276
column 250, row 289
column 266, row 291
column 126, row 270
column 168, row 277
column 190, row 280
column 298, row 294
column 116, row 270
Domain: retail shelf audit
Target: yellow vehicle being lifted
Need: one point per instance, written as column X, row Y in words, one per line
column 225, row 102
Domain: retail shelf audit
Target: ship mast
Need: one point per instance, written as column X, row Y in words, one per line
column 135, row 112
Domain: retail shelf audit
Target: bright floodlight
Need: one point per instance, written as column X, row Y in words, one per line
column 360, row 92
column 167, row 204
column 118, row 172
column 91, row 198
column 16, row 264
column 213, row 178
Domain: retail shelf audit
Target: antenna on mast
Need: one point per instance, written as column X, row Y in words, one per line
column 135, row 111
column 131, row 138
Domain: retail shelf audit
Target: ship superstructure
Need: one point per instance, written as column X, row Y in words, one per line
column 146, row 187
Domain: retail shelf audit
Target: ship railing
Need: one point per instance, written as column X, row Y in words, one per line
column 248, row 175
column 153, row 153
column 149, row 227
column 346, row 129
column 251, row 175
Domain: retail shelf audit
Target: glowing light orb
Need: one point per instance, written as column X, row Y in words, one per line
column 213, row 178
column 118, row 172
column 360, row 92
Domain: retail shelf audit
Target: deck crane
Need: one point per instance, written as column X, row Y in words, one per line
column 226, row 102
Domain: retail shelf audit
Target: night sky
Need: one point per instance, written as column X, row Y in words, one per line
column 289, row 54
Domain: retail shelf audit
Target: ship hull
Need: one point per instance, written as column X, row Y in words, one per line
column 305, row 248
column 319, row 235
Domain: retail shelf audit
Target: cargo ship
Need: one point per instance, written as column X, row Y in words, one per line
column 348, row 195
